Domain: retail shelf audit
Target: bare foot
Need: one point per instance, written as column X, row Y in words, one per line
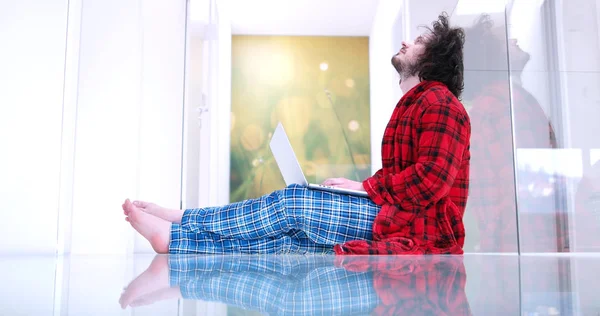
column 156, row 277
column 167, row 293
column 171, row 215
column 154, row 229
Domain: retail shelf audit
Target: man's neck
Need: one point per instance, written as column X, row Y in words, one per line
column 408, row 83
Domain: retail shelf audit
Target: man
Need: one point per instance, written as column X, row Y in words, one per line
column 416, row 201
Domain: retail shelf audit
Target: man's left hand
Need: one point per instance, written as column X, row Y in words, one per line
column 344, row 183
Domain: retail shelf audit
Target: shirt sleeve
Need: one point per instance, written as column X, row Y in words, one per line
column 444, row 137
column 379, row 173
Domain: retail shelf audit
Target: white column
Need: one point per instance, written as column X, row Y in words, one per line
column 222, row 118
column 108, row 123
column 32, row 62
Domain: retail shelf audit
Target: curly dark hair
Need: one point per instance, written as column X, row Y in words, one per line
column 443, row 57
column 486, row 60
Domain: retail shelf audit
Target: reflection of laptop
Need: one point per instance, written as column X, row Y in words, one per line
column 290, row 167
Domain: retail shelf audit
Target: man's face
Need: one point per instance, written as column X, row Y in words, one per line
column 406, row 60
column 518, row 57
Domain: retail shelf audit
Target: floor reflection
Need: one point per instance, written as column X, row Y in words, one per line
column 473, row 284
column 308, row 285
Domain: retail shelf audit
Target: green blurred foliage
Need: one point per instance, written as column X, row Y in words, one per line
column 283, row 79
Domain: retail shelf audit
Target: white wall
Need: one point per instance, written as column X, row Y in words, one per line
column 215, row 133
column 92, row 113
column 129, row 118
column 162, row 104
column 303, row 18
column 108, row 124
column 32, row 61
column 579, row 42
column 385, row 91
column 579, row 53
column 423, row 13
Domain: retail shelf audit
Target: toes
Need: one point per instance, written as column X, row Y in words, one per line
column 128, row 207
column 141, row 204
column 122, row 301
column 133, row 215
column 125, row 208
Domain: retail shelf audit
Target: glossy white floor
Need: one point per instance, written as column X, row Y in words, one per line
column 300, row 285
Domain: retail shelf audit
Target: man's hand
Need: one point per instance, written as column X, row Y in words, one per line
column 344, row 183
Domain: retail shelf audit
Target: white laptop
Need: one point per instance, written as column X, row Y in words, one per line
column 290, row 167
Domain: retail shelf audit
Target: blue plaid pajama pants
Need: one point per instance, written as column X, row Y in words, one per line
column 292, row 220
column 275, row 285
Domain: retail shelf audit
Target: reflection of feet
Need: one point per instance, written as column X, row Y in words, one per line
column 154, row 278
column 154, row 229
column 173, row 216
column 160, row 295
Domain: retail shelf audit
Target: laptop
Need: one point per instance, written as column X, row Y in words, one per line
column 290, row 167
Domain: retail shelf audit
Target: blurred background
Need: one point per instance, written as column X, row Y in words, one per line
column 287, row 79
column 174, row 102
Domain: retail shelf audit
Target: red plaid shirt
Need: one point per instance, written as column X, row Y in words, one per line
column 492, row 187
column 415, row 285
column 423, row 185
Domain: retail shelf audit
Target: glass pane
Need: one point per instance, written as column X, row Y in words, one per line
column 555, row 61
column 490, row 217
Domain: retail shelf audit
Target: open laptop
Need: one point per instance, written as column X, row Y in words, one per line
column 290, row 167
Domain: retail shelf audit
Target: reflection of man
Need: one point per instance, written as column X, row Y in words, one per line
column 492, row 197
column 309, row 285
column 416, row 201
column 492, row 190
column 302, row 285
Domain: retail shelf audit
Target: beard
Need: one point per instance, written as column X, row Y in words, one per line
column 404, row 68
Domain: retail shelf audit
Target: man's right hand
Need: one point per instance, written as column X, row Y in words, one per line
column 344, row 183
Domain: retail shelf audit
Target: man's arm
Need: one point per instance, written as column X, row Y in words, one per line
column 379, row 173
column 445, row 133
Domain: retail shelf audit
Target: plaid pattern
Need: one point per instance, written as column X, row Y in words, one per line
column 278, row 285
column 423, row 185
column 492, row 198
column 326, row 285
column 292, row 220
column 415, row 285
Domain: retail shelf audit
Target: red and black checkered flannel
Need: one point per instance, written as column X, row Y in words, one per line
column 423, row 185
column 492, row 187
column 415, row 285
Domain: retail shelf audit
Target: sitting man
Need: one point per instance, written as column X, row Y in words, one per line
column 416, row 201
